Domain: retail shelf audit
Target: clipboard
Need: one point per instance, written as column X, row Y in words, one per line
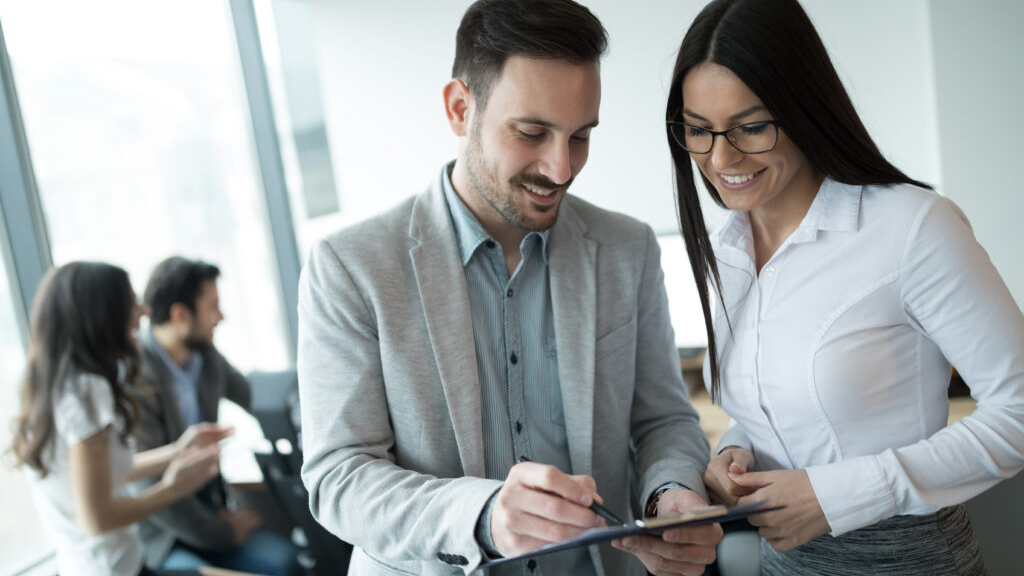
column 648, row 526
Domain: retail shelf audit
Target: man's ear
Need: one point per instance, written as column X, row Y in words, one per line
column 457, row 104
column 179, row 314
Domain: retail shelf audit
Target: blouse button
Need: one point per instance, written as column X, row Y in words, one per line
column 770, row 270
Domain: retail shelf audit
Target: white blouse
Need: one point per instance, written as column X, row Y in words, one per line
column 838, row 360
column 85, row 408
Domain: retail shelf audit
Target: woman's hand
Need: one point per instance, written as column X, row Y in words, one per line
column 721, row 488
column 191, row 469
column 802, row 519
column 202, row 435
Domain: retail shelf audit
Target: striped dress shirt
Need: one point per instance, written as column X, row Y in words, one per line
column 517, row 362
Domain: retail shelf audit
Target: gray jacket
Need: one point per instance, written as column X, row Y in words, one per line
column 390, row 399
column 189, row 520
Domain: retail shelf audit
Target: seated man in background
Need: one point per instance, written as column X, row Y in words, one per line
column 186, row 378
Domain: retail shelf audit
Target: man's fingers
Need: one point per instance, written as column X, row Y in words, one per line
column 541, row 504
column 663, row 557
column 708, row 535
column 544, row 529
column 578, row 489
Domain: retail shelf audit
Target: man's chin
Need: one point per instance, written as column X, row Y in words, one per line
column 197, row 344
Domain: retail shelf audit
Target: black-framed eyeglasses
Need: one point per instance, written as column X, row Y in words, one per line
column 750, row 138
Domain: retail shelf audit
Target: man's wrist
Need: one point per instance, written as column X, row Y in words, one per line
column 651, row 509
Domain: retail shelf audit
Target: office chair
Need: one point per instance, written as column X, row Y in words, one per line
column 275, row 404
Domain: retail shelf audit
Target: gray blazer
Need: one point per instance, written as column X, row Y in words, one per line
column 189, row 520
column 390, row 399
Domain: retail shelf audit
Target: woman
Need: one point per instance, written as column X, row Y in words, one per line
column 73, row 431
column 844, row 290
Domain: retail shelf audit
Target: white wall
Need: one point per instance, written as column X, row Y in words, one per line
column 382, row 65
column 979, row 73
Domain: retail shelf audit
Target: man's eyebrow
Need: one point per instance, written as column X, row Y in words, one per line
column 546, row 124
column 736, row 116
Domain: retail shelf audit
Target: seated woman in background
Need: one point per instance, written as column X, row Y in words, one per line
column 844, row 291
column 73, row 433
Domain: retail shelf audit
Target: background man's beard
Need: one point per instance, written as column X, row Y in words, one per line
column 195, row 342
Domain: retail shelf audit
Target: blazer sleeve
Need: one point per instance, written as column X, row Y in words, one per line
column 670, row 444
column 954, row 296
column 355, row 488
column 188, row 519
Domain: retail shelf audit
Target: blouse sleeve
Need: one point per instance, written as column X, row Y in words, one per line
column 85, row 408
column 954, row 296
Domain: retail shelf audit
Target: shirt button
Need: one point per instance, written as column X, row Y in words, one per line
column 513, row 358
column 509, row 293
column 519, row 427
column 490, row 244
column 770, row 270
column 532, row 565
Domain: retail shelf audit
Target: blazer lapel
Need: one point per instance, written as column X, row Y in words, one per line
column 160, row 378
column 572, row 266
column 442, row 288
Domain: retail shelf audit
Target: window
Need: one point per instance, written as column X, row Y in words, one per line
column 139, row 131
column 289, row 53
column 22, row 540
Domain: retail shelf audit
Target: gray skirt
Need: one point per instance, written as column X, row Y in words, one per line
column 940, row 544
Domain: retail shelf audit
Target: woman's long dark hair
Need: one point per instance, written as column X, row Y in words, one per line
column 774, row 49
column 80, row 323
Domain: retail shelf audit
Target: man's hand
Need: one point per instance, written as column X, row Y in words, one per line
column 539, row 504
column 681, row 550
column 802, row 519
column 242, row 522
column 721, row 488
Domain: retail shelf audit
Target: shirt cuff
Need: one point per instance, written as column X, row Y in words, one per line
column 483, row 530
column 852, row 493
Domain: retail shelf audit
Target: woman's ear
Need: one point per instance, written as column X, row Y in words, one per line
column 457, row 104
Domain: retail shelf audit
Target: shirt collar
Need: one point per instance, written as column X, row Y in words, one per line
column 190, row 369
column 469, row 233
column 836, row 207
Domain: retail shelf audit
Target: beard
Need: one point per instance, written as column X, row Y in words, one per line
column 195, row 340
column 483, row 175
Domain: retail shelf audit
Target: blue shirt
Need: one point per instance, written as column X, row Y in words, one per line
column 185, row 379
column 517, row 362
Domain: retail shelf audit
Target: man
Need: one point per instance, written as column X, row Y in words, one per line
column 492, row 320
column 186, row 378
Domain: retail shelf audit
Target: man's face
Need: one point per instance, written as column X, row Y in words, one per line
column 531, row 140
column 206, row 317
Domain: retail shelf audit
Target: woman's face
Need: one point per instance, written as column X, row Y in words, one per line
column 716, row 99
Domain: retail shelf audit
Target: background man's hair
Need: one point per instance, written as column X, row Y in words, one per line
column 493, row 30
column 176, row 279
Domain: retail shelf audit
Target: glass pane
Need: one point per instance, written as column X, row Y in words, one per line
column 139, row 131
column 22, row 540
column 290, row 55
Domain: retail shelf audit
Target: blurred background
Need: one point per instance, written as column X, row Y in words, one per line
column 239, row 131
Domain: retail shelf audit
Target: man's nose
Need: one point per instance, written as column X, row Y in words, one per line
column 556, row 163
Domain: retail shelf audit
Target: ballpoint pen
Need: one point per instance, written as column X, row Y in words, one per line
column 598, row 509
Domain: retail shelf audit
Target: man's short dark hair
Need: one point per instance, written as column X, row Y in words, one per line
column 174, row 280
column 493, row 30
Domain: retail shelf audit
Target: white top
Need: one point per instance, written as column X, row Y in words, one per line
column 84, row 409
column 839, row 359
